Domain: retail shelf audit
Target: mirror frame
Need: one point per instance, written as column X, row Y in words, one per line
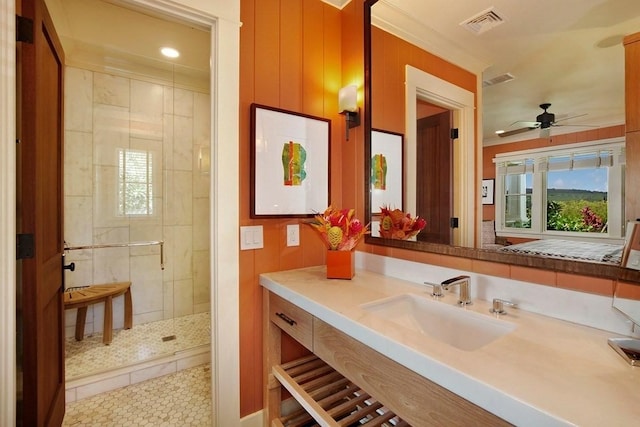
column 558, row 265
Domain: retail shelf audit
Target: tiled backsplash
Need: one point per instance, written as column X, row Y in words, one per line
column 108, row 118
column 578, row 307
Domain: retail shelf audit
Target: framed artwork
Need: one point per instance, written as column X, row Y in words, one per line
column 386, row 170
column 488, row 191
column 289, row 163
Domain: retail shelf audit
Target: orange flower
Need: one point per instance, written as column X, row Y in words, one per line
column 395, row 224
column 338, row 228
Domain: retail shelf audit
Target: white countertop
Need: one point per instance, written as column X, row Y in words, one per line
column 545, row 372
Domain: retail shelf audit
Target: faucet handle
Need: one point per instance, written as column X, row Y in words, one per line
column 498, row 306
column 437, row 289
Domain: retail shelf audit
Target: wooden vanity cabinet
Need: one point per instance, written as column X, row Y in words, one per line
column 348, row 367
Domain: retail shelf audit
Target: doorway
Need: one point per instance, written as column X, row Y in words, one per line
column 460, row 102
column 223, row 17
column 136, row 191
column 434, row 177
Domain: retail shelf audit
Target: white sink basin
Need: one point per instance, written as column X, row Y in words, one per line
column 456, row 326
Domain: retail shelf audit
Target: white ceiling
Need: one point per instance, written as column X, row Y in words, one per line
column 564, row 52
column 111, row 35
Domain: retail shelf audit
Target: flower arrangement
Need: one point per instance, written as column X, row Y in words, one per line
column 338, row 228
column 395, row 224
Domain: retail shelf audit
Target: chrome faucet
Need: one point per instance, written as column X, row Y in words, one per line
column 465, row 288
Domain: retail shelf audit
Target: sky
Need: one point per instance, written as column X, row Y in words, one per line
column 578, row 179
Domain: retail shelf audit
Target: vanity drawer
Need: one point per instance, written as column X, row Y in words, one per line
column 292, row 320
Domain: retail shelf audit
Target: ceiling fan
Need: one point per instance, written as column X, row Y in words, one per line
column 544, row 122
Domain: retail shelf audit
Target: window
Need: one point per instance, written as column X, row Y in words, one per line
column 577, row 192
column 565, row 191
column 518, row 178
column 135, row 182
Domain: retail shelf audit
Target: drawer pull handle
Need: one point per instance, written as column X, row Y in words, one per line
column 286, row 318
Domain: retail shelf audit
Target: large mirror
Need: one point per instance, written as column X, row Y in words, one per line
column 416, row 81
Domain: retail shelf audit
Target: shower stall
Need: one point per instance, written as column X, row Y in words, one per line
column 137, row 201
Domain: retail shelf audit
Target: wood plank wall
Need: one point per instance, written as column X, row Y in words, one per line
column 389, row 58
column 632, row 109
column 291, row 57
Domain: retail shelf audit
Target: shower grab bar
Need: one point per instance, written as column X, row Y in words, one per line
column 122, row 245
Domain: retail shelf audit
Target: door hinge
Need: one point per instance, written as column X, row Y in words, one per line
column 25, row 246
column 454, row 133
column 24, row 29
column 454, row 222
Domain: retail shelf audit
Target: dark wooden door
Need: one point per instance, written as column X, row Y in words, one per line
column 434, row 175
column 40, row 209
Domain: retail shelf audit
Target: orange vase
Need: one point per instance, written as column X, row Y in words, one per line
column 341, row 264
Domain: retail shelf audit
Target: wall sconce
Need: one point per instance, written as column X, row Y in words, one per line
column 348, row 104
column 204, row 160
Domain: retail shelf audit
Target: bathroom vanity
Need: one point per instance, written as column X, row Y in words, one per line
column 429, row 361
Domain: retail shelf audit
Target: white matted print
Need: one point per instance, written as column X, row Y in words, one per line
column 289, row 163
column 386, row 170
column 487, row 191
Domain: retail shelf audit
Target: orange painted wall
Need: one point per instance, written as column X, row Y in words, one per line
column 389, row 58
column 292, row 56
column 632, row 113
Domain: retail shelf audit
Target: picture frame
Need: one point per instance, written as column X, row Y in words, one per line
column 488, row 191
column 387, row 170
column 290, row 174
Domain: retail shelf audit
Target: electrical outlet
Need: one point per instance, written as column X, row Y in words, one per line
column 293, row 235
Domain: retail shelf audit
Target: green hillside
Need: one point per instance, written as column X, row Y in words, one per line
column 562, row 194
column 554, row 194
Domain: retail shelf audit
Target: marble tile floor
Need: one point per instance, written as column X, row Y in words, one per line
column 135, row 345
column 179, row 399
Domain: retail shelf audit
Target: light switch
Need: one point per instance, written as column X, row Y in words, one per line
column 293, row 235
column 251, row 237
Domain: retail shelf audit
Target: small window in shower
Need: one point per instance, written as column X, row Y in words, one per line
column 135, row 182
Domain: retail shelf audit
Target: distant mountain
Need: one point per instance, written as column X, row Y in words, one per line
column 558, row 194
column 562, row 194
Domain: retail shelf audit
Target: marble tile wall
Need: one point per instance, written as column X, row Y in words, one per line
column 105, row 114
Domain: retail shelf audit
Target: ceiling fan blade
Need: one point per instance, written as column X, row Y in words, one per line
column 516, row 131
column 569, row 118
column 585, row 126
column 523, row 123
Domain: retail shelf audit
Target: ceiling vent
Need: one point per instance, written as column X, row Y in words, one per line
column 482, row 22
column 502, row 78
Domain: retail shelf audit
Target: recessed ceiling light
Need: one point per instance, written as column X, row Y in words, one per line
column 170, row 52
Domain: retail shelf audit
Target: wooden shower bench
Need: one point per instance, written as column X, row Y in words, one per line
column 84, row 297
